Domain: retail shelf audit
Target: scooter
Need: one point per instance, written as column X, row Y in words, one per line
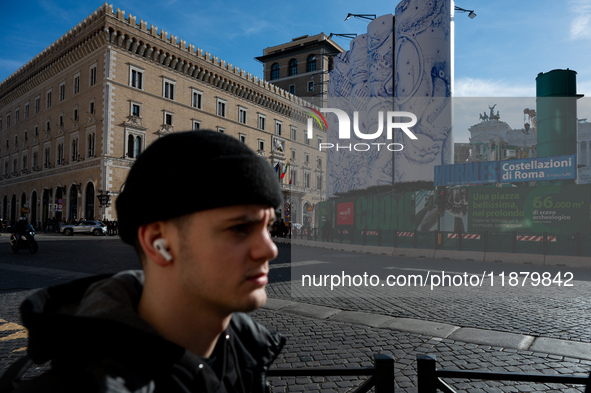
column 24, row 242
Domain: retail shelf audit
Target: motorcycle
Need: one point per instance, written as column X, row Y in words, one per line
column 24, row 241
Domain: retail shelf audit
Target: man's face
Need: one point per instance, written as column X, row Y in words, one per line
column 224, row 255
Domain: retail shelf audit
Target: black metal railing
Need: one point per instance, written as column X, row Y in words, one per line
column 430, row 379
column 381, row 375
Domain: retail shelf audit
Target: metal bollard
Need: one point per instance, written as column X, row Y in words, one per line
column 426, row 375
column 384, row 376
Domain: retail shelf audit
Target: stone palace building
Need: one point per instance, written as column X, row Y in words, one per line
column 74, row 118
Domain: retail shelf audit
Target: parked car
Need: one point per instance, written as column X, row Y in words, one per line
column 95, row 227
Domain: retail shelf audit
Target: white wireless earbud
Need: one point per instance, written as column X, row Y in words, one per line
column 162, row 247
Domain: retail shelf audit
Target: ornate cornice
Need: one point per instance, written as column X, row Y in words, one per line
column 107, row 27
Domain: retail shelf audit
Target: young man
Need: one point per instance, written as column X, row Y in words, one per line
column 197, row 206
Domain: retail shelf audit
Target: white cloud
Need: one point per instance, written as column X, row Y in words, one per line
column 580, row 27
column 471, row 87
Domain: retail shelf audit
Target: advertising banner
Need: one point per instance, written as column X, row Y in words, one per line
column 553, row 209
column 512, row 171
column 470, row 173
column 345, row 213
column 542, row 169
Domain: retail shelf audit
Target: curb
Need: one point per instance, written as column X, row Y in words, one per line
column 522, row 342
column 476, row 256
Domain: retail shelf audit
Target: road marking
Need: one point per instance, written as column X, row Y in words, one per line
column 21, row 332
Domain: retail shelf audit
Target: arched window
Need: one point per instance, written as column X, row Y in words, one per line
column 275, row 71
column 138, row 146
column 311, row 63
column 130, row 146
column 293, row 67
column 89, row 208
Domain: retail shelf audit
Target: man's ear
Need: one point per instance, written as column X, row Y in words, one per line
column 153, row 241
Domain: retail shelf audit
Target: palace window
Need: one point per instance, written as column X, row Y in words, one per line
column 135, row 144
column 92, row 78
column 311, row 63
column 293, row 67
column 221, row 110
column 168, row 118
column 47, row 157
column 242, row 115
column 35, row 166
column 196, row 99
column 48, row 99
column 275, row 71
column 319, row 182
column 262, row 121
column 168, row 88
column 90, row 144
column 136, row 77
column 62, row 91
column 136, row 109
column 60, row 153
column 74, row 149
column 77, row 83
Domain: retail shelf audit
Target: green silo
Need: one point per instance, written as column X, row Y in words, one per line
column 556, row 112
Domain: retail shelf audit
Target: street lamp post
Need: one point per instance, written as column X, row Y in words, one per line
column 104, row 199
column 361, row 16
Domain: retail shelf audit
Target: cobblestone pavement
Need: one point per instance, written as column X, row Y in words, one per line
column 313, row 343
column 349, row 331
column 538, row 311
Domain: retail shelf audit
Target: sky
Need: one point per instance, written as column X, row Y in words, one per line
column 497, row 54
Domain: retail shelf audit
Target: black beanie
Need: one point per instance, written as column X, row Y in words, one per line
column 186, row 172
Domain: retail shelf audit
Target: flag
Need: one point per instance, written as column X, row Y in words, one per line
column 277, row 168
column 284, row 171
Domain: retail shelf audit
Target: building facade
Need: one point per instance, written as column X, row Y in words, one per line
column 302, row 66
column 75, row 117
column 490, row 133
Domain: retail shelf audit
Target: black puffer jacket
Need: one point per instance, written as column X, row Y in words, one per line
column 90, row 331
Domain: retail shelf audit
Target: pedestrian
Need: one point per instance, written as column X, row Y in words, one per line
column 178, row 324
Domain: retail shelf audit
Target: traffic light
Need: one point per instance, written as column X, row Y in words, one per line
column 441, row 200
